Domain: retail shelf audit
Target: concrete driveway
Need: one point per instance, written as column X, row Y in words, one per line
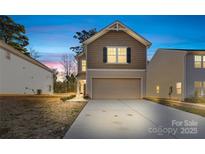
column 136, row 119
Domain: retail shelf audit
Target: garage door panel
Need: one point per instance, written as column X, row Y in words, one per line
column 116, row 88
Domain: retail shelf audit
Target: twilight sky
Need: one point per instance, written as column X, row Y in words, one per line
column 52, row 36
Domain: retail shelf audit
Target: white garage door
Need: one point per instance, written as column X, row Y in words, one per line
column 116, row 88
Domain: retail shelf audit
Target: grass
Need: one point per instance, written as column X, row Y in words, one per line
column 36, row 117
column 200, row 100
column 177, row 105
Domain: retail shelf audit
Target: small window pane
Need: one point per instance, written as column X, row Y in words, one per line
column 179, row 87
column 197, row 61
column 198, row 88
column 111, row 55
column 122, row 55
column 197, row 84
column 197, row 58
column 157, row 89
column 111, row 59
column 122, row 51
column 179, row 91
column 111, row 52
column 83, row 65
column 122, row 59
column 203, row 61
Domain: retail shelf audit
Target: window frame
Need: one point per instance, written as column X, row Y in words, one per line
column 201, row 61
column 200, row 88
column 83, row 66
column 157, row 89
column 117, row 55
column 179, row 89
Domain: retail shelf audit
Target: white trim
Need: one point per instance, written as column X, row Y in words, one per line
column 117, row 26
column 126, row 30
column 78, row 92
column 141, row 83
column 142, row 92
column 184, row 90
column 116, row 47
column 86, row 75
column 137, row 70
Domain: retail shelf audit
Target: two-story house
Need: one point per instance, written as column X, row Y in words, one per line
column 176, row 73
column 113, row 65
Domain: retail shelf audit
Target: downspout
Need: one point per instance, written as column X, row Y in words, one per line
column 86, row 72
column 185, row 74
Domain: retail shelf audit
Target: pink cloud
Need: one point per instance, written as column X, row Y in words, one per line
column 53, row 65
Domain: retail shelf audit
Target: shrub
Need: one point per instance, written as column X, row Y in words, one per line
column 67, row 98
column 86, row 97
column 195, row 99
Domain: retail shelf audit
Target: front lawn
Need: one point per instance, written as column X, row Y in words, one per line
column 36, row 117
column 184, row 107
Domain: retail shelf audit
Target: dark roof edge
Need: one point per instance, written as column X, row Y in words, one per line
column 181, row 49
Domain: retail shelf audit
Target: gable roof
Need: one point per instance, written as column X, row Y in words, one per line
column 118, row 26
column 23, row 56
column 178, row 49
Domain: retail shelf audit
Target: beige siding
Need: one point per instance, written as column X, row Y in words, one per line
column 165, row 70
column 116, row 38
column 115, row 88
column 81, row 75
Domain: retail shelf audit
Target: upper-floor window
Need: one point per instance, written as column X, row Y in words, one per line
column 179, row 87
column 199, row 61
column 83, row 64
column 117, row 55
column 203, row 62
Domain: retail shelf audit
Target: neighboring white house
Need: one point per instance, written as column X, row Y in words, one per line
column 20, row 74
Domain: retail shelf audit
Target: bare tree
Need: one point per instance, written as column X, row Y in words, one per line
column 33, row 53
column 69, row 67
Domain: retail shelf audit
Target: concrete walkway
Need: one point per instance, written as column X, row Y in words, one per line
column 134, row 119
